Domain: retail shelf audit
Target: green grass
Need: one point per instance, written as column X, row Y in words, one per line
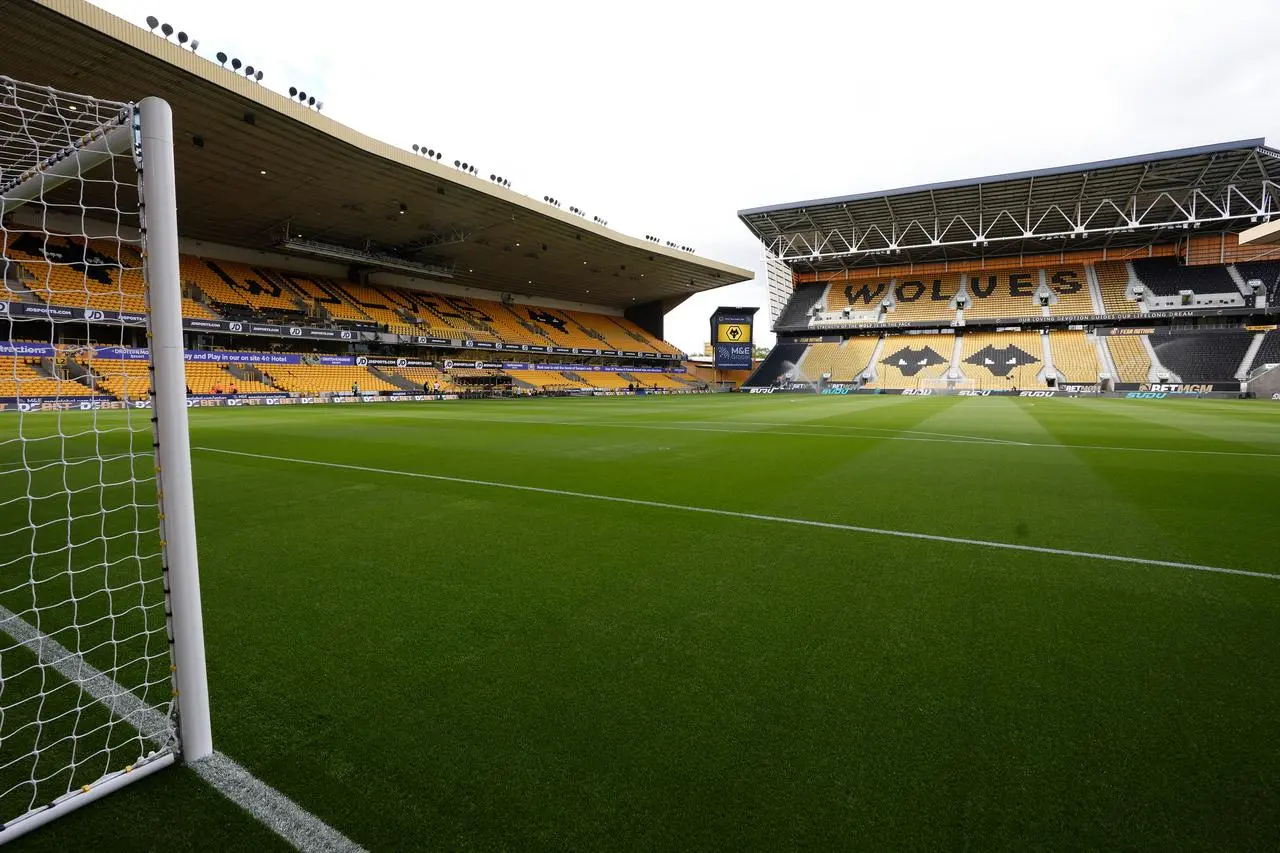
column 435, row 664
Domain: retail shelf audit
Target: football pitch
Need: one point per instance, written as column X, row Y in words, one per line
column 731, row 622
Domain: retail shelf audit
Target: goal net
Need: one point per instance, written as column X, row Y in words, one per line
column 944, row 385
column 101, row 657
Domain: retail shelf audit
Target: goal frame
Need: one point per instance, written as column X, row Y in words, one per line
column 945, row 384
column 146, row 130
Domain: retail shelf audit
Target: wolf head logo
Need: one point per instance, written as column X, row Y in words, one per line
column 911, row 361
column 1001, row 361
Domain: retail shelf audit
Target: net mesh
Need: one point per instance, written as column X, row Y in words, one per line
column 85, row 689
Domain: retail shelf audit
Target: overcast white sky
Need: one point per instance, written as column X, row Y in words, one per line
column 669, row 117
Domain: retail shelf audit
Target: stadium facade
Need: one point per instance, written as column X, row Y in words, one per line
column 317, row 261
column 1154, row 274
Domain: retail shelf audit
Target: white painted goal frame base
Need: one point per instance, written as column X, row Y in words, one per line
column 144, row 132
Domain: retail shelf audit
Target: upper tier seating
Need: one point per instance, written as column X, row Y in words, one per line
column 107, row 275
column 1071, row 285
column 1004, row 360
column 72, row 271
column 1113, row 282
column 1166, row 277
column 926, row 297
column 1267, row 272
column 795, row 315
column 1204, row 357
column 1075, row 356
column 1006, row 293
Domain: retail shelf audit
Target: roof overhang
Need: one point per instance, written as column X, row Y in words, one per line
column 267, row 166
column 1267, row 234
column 1127, row 202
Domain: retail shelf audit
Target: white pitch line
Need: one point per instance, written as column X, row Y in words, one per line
column 303, row 830
column 778, row 519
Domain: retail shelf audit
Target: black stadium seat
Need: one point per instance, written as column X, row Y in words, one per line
column 1204, row 357
column 1167, row 277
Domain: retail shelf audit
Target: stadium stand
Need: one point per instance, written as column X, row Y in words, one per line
column 780, row 362
column 1002, row 294
column 104, row 275
column 205, row 378
column 121, row 378
column 71, row 271
column 1004, row 360
column 857, row 296
column 318, row 379
column 924, row 298
column 375, row 305
column 1267, row 272
column 1269, row 352
column 238, row 289
column 606, row 380
column 844, row 361
column 1075, row 357
column 1113, row 283
column 417, row 377
column 795, row 315
column 907, row 360
column 1071, row 285
column 852, row 359
column 545, row 380
column 27, row 377
column 818, row 361
column 1204, row 357
column 1167, row 277
column 1129, row 354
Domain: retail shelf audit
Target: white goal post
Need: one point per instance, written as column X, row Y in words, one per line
column 102, row 666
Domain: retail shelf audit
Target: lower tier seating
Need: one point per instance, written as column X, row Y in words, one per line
column 1129, row 354
column 1003, row 360
column 780, row 362
column 1075, row 356
column 205, row 378
column 317, row 379
column 907, row 361
column 1205, row 357
column 21, row 377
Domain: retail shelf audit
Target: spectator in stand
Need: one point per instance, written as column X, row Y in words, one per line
column 437, row 386
column 355, row 389
column 216, row 389
column 233, row 389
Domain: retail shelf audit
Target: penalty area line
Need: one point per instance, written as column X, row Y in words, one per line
column 754, row 516
column 294, row 824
